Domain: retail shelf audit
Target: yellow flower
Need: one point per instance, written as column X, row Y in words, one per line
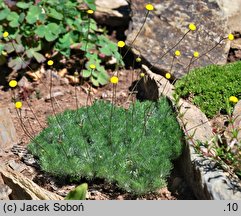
column 121, row 44
column 142, row 74
column 231, row 37
column 18, row 104
column 50, row 62
column 149, row 7
column 4, row 53
column 13, row 83
column 192, row 27
column 138, row 59
column 90, row 11
column 92, row 66
column 168, row 75
column 233, row 99
column 5, row 34
column 177, row 53
column 114, row 79
column 196, row 54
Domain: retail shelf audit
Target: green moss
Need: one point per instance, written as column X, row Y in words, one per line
column 211, row 86
column 138, row 162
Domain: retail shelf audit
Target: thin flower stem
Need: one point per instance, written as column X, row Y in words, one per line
column 133, row 41
column 34, row 114
column 56, row 117
column 205, row 53
column 189, row 65
column 111, row 113
column 76, row 98
column 87, row 107
column 97, row 116
column 29, row 123
column 23, row 125
column 32, row 71
column 25, row 130
column 82, row 66
column 173, row 59
column 169, row 50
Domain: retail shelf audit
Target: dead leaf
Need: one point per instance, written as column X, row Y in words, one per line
column 72, row 79
column 62, row 72
column 35, row 76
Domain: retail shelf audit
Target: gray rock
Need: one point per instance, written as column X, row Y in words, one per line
column 235, row 49
column 231, row 12
column 8, row 136
column 207, row 179
column 168, row 23
column 113, row 13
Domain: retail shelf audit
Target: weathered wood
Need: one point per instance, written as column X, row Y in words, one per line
column 23, row 188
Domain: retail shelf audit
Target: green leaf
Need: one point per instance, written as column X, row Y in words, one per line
column 34, row 14
column 13, row 18
column 11, row 47
column 95, row 73
column 4, row 13
column 49, row 36
column 1, row 48
column 93, row 25
column 103, row 78
column 40, row 31
column 23, row 5
column 29, row 53
column 55, row 14
column 21, row 17
column 105, row 50
column 94, row 81
column 64, row 43
column 70, row 22
column 85, row 46
column 17, row 64
column 38, row 56
column 78, row 193
column 50, row 31
column 91, row 4
column 86, row 73
column 93, row 59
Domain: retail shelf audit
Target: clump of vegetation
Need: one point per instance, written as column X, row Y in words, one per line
column 35, row 29
column 78, row 193
column 209, row 87
column 136, row 155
